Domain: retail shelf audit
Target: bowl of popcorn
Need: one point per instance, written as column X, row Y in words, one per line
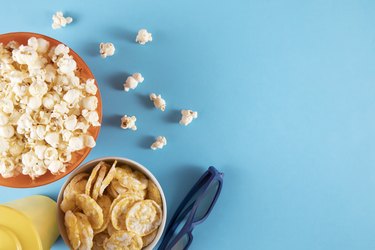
column 111, row 203
column 50, row 110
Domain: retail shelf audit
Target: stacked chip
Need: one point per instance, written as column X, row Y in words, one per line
column 113, row 207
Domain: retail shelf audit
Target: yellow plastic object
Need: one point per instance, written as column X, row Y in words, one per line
column 28, row 223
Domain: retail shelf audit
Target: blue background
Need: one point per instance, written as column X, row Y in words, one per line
column 285, row 93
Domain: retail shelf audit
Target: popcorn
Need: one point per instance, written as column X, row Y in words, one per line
column 52, row 138
column 188, row 116
column 159, row 102
column 60, row 21
column 160, row 142
column 7, row 168
column 89, row 141
column 133, row 81
column 90, row 103
column 34, row 102
column 56, row 166
column 3, row 119
column 6, row 131
column 90, row 87
column 76, row 143
column 143, row 37
column 46, row 109
column 106, row 49
column 128, row 122
column 70, row 122
column 72, row 96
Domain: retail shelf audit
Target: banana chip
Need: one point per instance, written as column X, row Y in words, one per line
column 110, row 229
column 91, row 209
column 86, row 234
column 105, row 203
column 143, row 217
column 123, row 240
column 153, row 193
column 107, row 210
column 99, row 240
column 109, row 177
column 98, row 182
column 92, row 177
column 68, row 202
column 148, row 239
column 119, row 210
column 71, row 225
column 131, row 180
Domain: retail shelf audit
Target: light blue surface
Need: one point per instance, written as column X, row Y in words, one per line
column 286, row 97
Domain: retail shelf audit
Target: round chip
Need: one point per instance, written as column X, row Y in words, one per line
column 131, row 180
column 68, row 202
column 109, row 177
column 118, row 188
column 86, row 234
column 119, row 210
column 99, row 240
column 123, row 240
column 148, row 239
column 105, row 203
column 91, row 209
column 72, row 230
column 153, row 193
column 98, row 182
column 110, row 229
column 143, row 217
column 80, row 186
column 92, row 177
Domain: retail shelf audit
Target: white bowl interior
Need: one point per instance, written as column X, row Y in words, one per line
column 87, row 167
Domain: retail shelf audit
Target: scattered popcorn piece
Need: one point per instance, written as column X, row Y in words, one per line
column 107, row 49
column 159, row 102
column 160, row 142
column 188, row 116
column 128, row 122
column 60, row 21
column 143, row 37
column 133, row 81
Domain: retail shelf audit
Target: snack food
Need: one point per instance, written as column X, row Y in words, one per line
column 188, row 116
column 125, row 214
column 159, row 102
column 143, row 37
column 59, row 21
column 133, row 81
column 160, row 142
column 128, row 122
column 106, row 49
column 42, row 121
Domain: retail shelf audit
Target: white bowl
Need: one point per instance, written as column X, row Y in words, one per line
column 87, row 167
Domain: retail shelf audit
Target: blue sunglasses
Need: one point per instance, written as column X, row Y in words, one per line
column 193, row 210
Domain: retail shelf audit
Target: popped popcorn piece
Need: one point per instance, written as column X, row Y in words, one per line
column 106, row 49
column 59, row 21
column 133, row 81
column 128, row 122
column 159, row 102
column 56, row 167
column 188, row 116
column 143, row 37
column 46, row 109
column 160, row 142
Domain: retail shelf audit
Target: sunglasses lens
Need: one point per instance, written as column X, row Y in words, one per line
column 207, row 200
column 182, row 243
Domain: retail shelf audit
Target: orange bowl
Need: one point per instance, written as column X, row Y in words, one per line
column 24, row 181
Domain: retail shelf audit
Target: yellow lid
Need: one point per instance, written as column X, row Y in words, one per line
column 17, row 231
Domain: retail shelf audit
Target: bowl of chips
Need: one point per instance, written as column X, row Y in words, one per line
column 50, row 110
column 111, row 203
